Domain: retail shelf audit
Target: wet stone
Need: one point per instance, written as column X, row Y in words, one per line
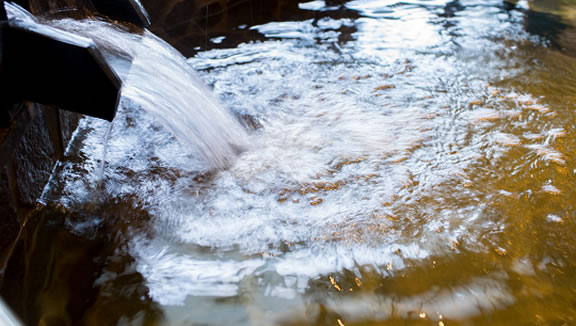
column 9, row 226
column 35, row 158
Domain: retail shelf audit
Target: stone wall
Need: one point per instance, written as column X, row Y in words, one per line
column 30, row 147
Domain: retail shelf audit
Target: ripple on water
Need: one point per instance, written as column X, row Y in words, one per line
column 390, row 157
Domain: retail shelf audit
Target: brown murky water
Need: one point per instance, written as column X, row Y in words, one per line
column 409, row 164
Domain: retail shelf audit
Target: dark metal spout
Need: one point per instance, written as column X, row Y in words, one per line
column 130, row 11
column 49, row 66
column 125, row 10
column 3, row 15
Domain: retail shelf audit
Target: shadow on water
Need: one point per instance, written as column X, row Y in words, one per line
column 192, row 26
column 225, row 24
column 60, row 276
column 554, row 21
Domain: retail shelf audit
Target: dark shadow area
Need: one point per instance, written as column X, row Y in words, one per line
column 191, row 26
column 549, row 25
column 63, row 275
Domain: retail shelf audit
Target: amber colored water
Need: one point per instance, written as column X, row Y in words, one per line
column 409, row 163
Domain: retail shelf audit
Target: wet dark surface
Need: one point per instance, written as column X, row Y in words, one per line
column 229, row 24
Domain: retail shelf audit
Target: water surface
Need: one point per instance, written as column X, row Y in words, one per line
column 407, row 163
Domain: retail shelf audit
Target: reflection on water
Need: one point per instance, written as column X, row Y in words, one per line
column 408, row 163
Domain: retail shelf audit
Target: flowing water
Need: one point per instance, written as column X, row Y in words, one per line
column 170, row 89
column 407, row 163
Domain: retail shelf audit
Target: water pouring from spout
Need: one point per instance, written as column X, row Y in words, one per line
column 162, row 83
column 157, row 79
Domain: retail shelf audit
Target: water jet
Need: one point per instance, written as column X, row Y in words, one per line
column 46, row 68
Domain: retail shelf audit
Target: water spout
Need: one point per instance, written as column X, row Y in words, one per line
column 129, row 10
column 156, row 78
column 3, row 15
column 50, row 66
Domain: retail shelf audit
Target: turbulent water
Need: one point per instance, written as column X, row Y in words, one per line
column 406, row 162
column 156, row 78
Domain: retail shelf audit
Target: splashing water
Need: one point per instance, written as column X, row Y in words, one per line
column 423, row 175
column 158, row 79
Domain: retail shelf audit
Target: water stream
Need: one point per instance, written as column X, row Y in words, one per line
column 156, row 78
column 406, row 163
